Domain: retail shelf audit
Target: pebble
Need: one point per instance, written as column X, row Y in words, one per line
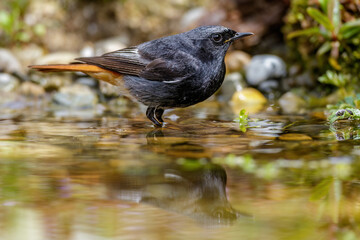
column 8, row 83
column 31, row 89
column 264, row 67
column 236, row 61
column 8, row 62
column 248, row 98
column 290, row 103
column 76, row 96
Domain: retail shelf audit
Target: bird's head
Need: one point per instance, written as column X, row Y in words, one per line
column 214, row 39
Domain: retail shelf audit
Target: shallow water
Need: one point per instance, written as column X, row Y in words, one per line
column 95, row 174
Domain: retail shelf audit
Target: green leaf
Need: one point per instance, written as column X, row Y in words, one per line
column 324, row 48
column 336, row 15
column 349, row 29
column 324, row 4
column 243, row 120
column 305, row 32
column 320, row 18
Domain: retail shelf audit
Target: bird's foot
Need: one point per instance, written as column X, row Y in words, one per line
column 155, row 116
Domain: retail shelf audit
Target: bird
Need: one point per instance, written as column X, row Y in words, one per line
column 175, row 71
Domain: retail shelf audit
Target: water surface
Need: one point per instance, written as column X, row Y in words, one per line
column 95, row 174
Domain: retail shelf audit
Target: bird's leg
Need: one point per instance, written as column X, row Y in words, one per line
column 158, row 114
column 150, row 113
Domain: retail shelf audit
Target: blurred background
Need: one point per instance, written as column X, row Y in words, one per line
column 274, row 154
column 304, row 53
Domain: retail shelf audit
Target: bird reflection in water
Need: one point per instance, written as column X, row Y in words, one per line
column 198, row 191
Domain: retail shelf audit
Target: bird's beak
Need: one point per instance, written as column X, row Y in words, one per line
column 239, row 35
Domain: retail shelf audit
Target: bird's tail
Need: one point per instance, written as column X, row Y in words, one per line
column 92, row 70
column 73, row 67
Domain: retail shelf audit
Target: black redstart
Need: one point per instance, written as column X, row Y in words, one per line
column 169, row 72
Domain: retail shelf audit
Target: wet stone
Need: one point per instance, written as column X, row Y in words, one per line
column 8, row 83
column 76, row 96
column 294, row 137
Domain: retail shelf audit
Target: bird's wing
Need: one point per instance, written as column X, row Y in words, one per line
column 131, row 62
column 124, row 61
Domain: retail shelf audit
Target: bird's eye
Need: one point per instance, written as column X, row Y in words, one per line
column 217, row 38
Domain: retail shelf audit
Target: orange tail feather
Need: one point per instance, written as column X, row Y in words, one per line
column 74, row 67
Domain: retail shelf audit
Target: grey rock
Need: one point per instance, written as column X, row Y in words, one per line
column 264, row 67
column 8, row 83
column 8, row 62
column 76, row 96
column 269, row 86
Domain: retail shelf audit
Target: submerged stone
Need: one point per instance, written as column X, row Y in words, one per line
column 294, row 137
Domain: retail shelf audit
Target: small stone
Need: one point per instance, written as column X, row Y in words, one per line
column 31, row 89
column 8, row 83
column 248, row 98
column 290, row 103
column 76, row 96
column 57, row 58
column 264, row 67
column 294, row 137
column 236, row 61
column 8, row 62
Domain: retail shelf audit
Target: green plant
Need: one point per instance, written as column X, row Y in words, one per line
column 13, row 28
column 330, row 33
column 243, row 120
